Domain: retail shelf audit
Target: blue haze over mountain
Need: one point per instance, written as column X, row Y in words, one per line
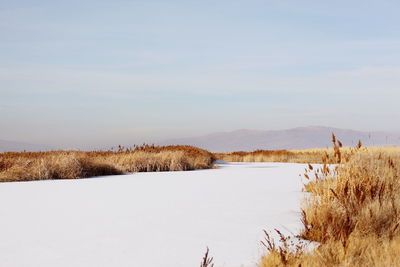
column 296, row 138
column 248, row 140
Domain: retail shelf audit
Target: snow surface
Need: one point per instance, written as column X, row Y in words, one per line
column 149, row 219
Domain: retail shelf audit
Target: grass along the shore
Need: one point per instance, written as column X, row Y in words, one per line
column 315, row 156
column 353, row 213
column 27, row 166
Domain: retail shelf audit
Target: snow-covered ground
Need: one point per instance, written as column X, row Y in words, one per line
column 149, row 219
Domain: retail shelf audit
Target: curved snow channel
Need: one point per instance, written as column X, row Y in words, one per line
column 149, row 219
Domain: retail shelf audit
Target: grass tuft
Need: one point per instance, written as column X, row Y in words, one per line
column 207, row 261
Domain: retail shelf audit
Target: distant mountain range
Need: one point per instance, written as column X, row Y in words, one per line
column 296, row 138
column 248, row 140
column 21, row 146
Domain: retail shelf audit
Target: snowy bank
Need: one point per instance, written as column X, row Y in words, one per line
column 149, row 219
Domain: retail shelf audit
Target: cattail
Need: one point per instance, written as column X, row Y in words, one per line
column 359, row 144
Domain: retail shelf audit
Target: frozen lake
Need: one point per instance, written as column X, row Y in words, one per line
column 164, row 219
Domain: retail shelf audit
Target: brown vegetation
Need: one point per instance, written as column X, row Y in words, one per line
column 352, row 212
column 293, row 156
column 207, row 261
column 26, row 166
column 315, row 155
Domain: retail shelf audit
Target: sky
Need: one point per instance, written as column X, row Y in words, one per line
column 98, row 73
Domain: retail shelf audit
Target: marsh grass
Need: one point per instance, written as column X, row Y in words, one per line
column 315, row 155
column 26, row 166
column 292, row 156
column 207, row 260
column 288, row 250
column 352, row 212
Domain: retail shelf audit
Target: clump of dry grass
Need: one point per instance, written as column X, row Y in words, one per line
column 258, row 156
column 315, row 155
column 292, row 156
column 207, row 260
column 353, row 211
column 26, row 166
column 287, row 251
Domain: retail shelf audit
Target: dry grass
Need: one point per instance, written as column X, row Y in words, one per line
column 353, row 212
column 207, row 260
column 27, row 166
column 293, row 156
column 315, row 155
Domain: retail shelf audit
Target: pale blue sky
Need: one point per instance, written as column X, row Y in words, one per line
column 106, row 72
